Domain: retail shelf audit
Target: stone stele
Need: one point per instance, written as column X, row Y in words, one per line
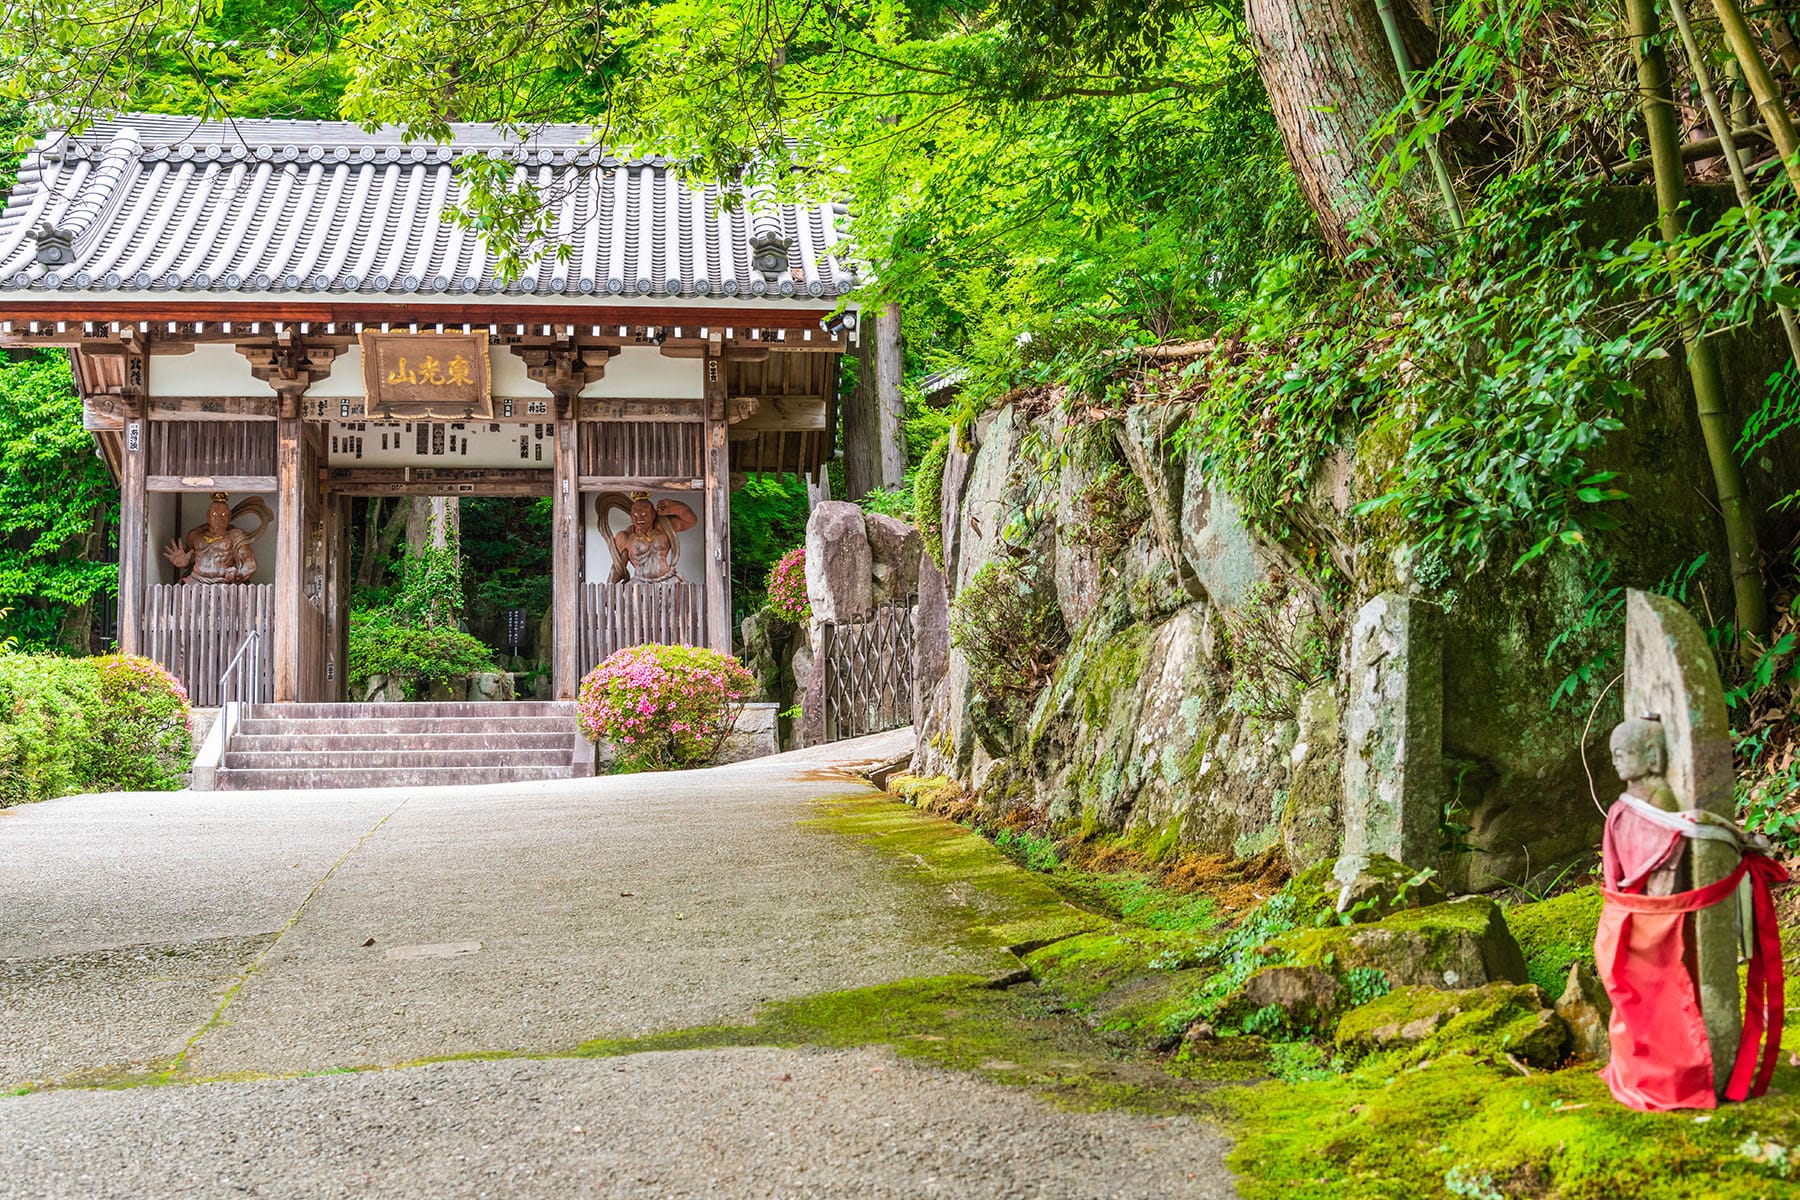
column 1669, row 673
column 1393, row 732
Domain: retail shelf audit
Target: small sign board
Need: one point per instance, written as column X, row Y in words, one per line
column 424, row 375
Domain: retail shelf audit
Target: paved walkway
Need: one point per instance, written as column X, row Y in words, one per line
column 270, row 939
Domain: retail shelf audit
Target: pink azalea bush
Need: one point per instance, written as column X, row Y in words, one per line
column 787, row 587
column 664, row 708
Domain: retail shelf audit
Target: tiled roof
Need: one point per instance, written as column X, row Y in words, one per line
column 160, row 204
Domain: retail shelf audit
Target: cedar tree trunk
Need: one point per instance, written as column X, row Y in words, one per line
column 1331, row 80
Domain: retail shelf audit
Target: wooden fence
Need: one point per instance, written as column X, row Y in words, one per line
column 868, row 672
column 194, row 629
column 617, row 615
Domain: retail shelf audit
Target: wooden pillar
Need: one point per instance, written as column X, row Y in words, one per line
column 718, row 511
column 290, row 548
column 133, row 533
column 565, row 551
column 337, row 596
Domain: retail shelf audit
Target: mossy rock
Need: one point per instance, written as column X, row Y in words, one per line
column 1422, row 1023
column 1555, row 934
column 1462, row 944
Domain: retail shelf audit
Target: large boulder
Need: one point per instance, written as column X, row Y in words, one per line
column 838, row 582
column 1499, row 1019
column 1460, row 945
column 894, row 552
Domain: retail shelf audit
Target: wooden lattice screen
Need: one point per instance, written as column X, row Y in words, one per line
column 211, row 448
column 647, row 450
column 617, row 615
column 868, row 672
column 194, row 630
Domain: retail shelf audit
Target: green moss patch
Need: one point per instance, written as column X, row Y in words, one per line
column 1555, row 934
column 1460, row 1126
column 1020, row 1035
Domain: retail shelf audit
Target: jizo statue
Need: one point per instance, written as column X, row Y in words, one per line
column 648, row 550
column 218, row 551
column 1687, row 893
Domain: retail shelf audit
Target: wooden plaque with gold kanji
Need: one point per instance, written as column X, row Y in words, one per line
column 419, row 376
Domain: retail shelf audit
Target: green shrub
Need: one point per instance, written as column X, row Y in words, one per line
column 71, row 725
column 414, row 656
column 1007, row 621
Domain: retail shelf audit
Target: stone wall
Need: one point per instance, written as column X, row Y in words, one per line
column 1160, row 715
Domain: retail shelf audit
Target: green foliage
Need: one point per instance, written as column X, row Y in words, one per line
column 54, row 493
column 431, row 583
column 1008, row 623
column 412, row 656
column 928, row 497
column 1280, row 645
column 768, row 518
column 71, row 725
column 505, row 561
column 889, row 502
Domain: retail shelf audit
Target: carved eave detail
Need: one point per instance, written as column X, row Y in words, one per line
column 290, row 367
column 565, row 369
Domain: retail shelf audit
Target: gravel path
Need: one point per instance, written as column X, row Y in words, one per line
column 288, row 934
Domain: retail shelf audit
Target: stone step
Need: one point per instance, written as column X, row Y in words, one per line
column 450, row 757
column 339, row 743
column 312, row 778
column 424, row 708
column 458, row 727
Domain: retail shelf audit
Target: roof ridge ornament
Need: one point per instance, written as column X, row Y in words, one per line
column 54, row 246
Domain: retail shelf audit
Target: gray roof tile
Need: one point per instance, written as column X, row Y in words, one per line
column 172, row 204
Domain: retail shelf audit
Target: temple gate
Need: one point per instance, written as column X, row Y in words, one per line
column 268, row 318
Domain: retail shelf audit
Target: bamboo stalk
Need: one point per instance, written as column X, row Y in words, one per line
column 1391, row 25
column 1751, row 604
column 1762, row 85
column 1733, row 160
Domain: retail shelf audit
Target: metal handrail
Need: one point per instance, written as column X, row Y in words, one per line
column 238, row 685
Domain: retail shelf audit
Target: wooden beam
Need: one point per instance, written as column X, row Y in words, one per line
column 134, row 548
column 794, row 414
column 642, row 410
column 624, row 483
column 210, row 483
column 211, row 408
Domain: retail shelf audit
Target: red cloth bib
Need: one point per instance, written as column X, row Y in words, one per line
column 1661, row 1057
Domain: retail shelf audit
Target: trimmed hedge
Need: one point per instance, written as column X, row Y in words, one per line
column 70, row 725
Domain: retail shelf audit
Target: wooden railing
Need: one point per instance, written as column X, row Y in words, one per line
column 868, row 665
column 195, row 630
column 617, row 615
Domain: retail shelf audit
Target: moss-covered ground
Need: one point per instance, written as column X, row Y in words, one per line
column 1110, row 956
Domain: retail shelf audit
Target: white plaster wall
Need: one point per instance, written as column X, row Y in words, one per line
column 644, row 373
column 598, row 565
column 212, row 369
